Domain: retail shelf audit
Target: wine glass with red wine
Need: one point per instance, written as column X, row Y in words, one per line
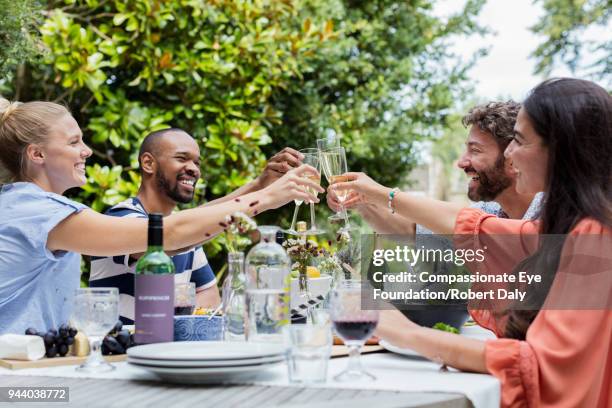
column 353, row 325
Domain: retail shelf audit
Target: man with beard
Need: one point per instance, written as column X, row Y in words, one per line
column 491, row 185
column 492, row 180
column 170, row 167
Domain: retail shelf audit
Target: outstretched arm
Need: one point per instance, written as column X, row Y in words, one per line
column 379, row 218
column 438, row 216
column 451, row 349
column 91, row 233
column 279, row 164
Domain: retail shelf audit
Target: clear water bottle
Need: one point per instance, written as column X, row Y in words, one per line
column 234, row 298
column 268, row 269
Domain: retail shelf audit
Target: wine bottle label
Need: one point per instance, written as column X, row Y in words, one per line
column 154, row 317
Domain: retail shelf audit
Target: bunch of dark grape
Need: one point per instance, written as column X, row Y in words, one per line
column 56, row 341
column 117, row 341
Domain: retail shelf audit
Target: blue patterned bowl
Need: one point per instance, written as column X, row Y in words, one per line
column 198, row 328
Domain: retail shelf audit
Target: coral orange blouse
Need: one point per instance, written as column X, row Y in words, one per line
column 566, row 359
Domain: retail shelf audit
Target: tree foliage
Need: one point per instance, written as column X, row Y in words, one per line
column 246, row 78
column 563, row 25
column 18, row 21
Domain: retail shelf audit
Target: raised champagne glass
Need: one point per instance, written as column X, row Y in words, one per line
column 292, row 229
column 334, row 167
column 312, row 158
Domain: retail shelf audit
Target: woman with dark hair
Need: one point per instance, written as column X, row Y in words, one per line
column 557, row 354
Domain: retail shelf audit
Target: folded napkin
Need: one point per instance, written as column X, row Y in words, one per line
column 21, row 347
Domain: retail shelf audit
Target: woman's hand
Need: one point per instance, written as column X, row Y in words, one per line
column 292, row 186
column 355, row 200
column 363, row 190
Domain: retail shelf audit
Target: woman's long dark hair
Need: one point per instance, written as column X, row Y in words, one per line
column 574, row 119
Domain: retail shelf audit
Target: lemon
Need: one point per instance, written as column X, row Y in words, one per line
column 313, row 272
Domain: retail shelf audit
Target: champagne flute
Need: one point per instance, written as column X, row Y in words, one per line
column 330, row 142
column 334, row 167
column 353, row 325
column 312, row 158
column 291, row 229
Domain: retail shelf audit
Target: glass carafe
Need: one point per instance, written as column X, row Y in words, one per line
column 268, row 270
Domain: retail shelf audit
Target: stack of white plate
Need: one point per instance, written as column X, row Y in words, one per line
column 198, row 362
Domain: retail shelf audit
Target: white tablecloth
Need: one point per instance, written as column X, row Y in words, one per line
column 393, row 373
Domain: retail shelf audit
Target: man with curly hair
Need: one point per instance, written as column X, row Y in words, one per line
column 491, row 176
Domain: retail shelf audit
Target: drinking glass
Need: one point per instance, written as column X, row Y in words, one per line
column 330, row 142
column 184, row 298
column 312, row 158
column 310, row 346
column 297, row 203
column 96, row 310
column 353, row 325
column 333, row 163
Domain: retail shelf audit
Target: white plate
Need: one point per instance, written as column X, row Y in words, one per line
column 473, row 332
column 398, row 350
column 205, row 375
column 206, row 350
column 205, row 364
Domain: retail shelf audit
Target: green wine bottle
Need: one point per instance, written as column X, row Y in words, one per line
column 154, row 289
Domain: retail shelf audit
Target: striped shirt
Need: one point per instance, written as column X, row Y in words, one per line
column 118, row 271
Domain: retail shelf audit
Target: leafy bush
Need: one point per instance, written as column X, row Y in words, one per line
column 247, row 78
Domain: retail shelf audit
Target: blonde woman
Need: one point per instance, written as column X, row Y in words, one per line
column 43, row 233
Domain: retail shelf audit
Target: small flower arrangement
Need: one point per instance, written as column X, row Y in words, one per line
column 238, row 227
column 330, row 265
column 302, row 249
column 301, row 252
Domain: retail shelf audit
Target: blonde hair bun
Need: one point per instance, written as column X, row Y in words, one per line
column 6, row 107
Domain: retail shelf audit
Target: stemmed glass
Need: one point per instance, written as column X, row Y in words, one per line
column 312, row 158
column 333, row 163
column 291, row 229
column 96, row 310
column 330, row 142
column 353, row 325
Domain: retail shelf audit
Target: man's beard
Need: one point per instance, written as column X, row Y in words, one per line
column 492, row 182
column 164, row 185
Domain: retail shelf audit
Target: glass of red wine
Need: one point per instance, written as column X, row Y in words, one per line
column 353, row 325
column 184, row 298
